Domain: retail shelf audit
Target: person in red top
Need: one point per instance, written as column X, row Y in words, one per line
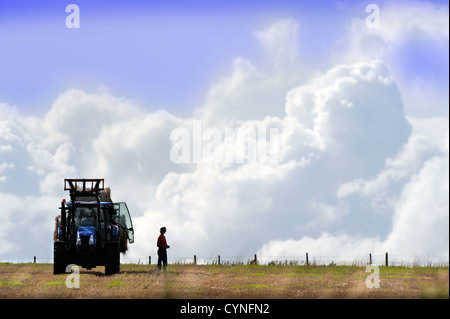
column 162, row 248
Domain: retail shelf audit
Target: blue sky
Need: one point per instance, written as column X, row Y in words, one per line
column 362, row 115
column 146, row 50
column 142, row 51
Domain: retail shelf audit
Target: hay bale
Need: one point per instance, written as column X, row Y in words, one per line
column 123, row 236
column 108, row 194
column 105, row 195
column 57, row 226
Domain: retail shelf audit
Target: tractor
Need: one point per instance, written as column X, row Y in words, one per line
column 91, row 229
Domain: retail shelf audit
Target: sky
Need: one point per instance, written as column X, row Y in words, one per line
column 359, row 100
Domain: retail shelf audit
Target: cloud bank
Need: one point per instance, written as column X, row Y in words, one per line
column 355, row 174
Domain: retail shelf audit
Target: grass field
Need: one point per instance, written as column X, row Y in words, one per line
column 28, row 281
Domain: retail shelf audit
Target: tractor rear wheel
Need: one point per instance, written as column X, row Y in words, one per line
column 112, row 265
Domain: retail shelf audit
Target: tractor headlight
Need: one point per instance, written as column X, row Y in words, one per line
column 91, row 240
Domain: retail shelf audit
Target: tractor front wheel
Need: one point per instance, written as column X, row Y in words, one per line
column 59, row 258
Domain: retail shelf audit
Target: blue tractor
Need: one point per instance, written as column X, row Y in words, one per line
column 91, row 229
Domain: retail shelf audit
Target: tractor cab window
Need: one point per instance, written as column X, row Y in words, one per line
column 122, row 217
column 85, row 216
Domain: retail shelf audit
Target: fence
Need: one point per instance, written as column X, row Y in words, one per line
column 306, row 260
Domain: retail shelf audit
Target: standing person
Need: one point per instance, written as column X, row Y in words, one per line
column 162, row 248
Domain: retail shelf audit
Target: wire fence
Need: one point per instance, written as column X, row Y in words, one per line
column 305, row 260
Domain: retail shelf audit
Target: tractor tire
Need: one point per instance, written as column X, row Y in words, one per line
column 112, row 265
column 59, row 258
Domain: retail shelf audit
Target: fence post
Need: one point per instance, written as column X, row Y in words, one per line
column 149, row 260
column 370, row 259
column 256, row 260
column 195, row 260
column 387, row 260
column 307, row 262
column 34, row 259
column 218, row 259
